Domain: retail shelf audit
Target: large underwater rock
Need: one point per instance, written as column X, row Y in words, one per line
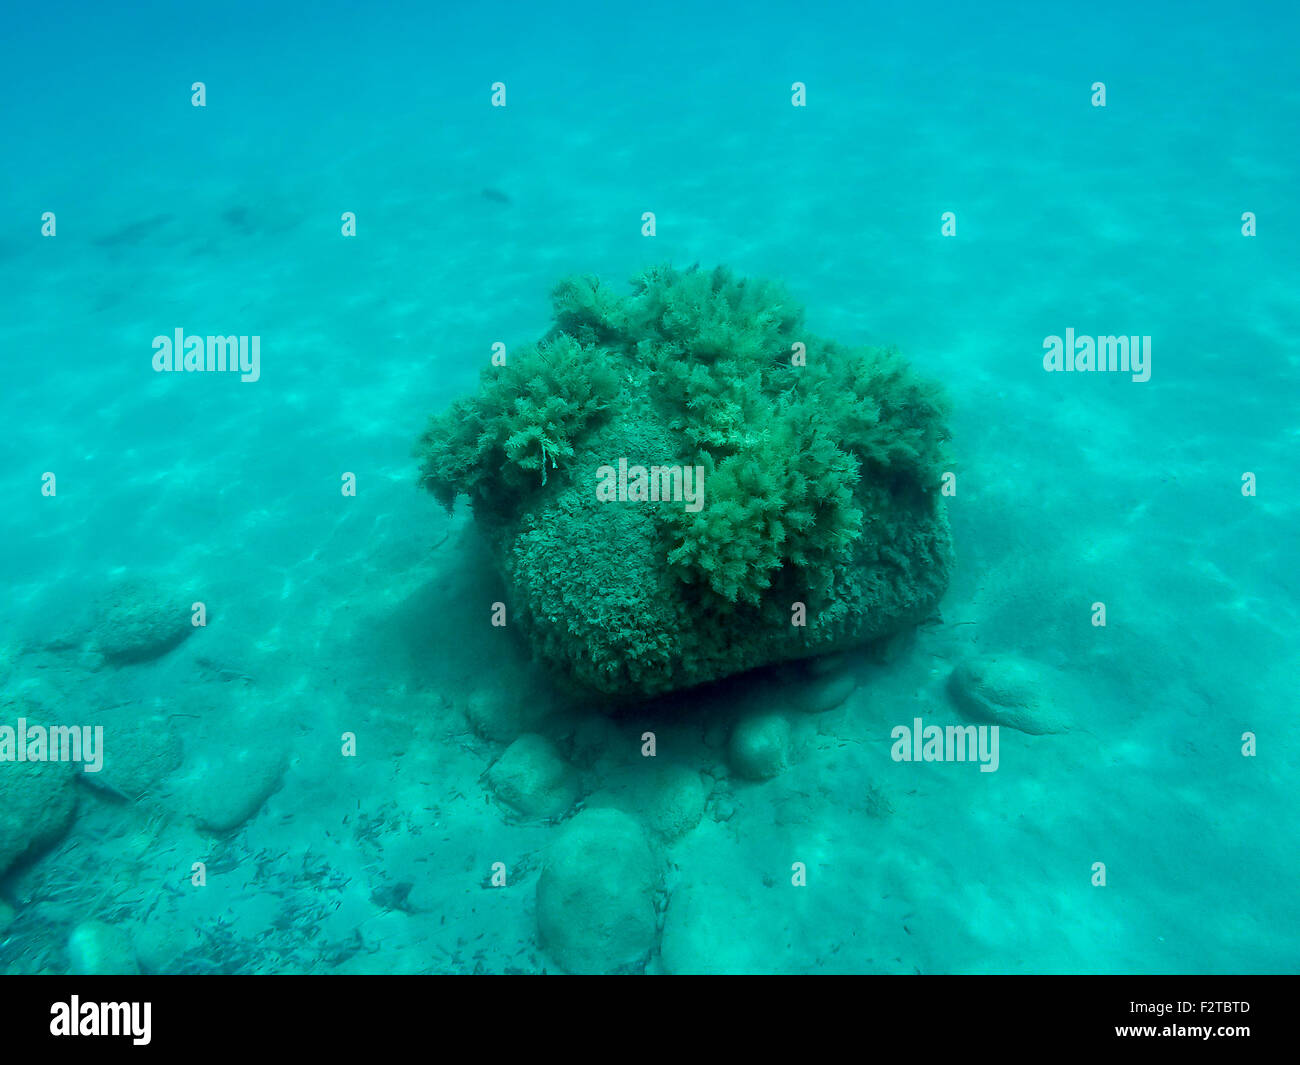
column 683, row 483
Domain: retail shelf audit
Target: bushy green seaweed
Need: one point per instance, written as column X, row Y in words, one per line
column 785, row 499
column 495, row 446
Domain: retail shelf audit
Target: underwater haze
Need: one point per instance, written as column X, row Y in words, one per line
column 312, row 721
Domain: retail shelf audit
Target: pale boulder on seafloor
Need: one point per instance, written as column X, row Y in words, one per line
column 99, row 949
column 1011, row 690
column 826, row 692
column 759, row 748
column 668, row 799
column 228, row 788
column 532, row 779
column 596, row 895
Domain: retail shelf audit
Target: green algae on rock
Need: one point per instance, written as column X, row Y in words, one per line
column 819, row 526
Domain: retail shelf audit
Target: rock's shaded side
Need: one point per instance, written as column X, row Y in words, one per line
column 38, row 802
column 820, row 467
column 136, row 755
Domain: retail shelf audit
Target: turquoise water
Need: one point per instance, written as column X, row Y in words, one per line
column 331, row 614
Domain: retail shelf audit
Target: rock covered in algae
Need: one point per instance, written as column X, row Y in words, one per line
column 681, row 483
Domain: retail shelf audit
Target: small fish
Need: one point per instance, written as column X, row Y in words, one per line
column 496, row 196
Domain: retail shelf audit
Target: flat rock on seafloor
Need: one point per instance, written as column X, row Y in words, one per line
column 1010, row 690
